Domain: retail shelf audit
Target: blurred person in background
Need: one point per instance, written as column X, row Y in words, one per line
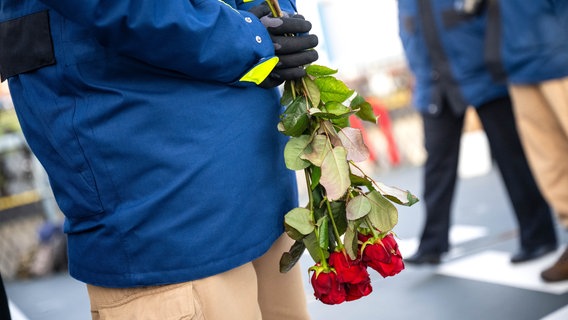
column 444, row 41
column 4, row 305
column 528, row 47
column 156, row 122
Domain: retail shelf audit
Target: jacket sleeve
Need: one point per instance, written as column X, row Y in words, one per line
column 203, row 39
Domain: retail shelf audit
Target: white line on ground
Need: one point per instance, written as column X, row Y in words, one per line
column 495, row 267
column 560, row 314
column 15, row 313
column 458, row 234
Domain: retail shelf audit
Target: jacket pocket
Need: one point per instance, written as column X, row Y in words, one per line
column 26, row 44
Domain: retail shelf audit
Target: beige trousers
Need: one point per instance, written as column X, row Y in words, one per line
column 541, row 112
column 254, row 291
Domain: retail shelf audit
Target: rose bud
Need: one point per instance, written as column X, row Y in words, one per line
column 327, row 287
column 383, row 256
column 348, row 271
column 356, row 291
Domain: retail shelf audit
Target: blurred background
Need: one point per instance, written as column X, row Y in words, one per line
column 360, row 39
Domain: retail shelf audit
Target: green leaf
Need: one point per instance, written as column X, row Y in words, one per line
column 324, row 115
column 342, row 122
column 311, row 243
column 315, row 70
column 339, row 218
column 365, row 112
column 411, row 199
column 287, row 96
column 327, row 128
column 293, row 152
column 332, row 89
column 295, row 118
column 334, row 111
column 290, row 258
column 338, row 109
column 323, row 228
column 383, row 215
column 313, row 92
column 358, row 207
column 352, row 140
column 315, row 177
column 317, row 196
column 293, row 233
column 300, row 219
column 320, row 147
column 397, row 195
column 360, row 181
column 335, row 173
column 350, row 240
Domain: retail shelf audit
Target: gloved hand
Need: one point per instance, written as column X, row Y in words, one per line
column 292, row 45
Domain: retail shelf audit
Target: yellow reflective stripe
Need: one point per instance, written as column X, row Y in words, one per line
column 259, row 72
column 248, row 1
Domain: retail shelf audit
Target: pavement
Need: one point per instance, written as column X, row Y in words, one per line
column 475, row 280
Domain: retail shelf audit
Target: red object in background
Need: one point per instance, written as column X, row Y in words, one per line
column 384, row 124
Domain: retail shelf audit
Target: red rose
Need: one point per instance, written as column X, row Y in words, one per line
column 356, row 291
column 384, row 256
column 363, row 237
column 352, row 274
column 327, row 287
column 348, row 271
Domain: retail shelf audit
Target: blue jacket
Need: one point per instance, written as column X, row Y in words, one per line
column 166, row 163
column 534, row 40
column 455, row 66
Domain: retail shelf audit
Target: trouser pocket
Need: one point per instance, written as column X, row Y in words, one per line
column 169, row 302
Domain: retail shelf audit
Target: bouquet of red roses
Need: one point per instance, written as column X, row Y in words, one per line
column 347, row 224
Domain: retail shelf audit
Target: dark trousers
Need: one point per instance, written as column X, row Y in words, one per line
column 442, row 134
column 4, row 307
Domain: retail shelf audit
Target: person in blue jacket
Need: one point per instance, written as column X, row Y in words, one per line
column 157, row 124
column 530, row 52
column 443, row 42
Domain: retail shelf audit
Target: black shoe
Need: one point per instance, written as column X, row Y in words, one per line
column 527, row 255
column 423, row 258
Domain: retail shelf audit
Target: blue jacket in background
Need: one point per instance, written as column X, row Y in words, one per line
column 456, row 67
column 167, row 167
column 534, row 40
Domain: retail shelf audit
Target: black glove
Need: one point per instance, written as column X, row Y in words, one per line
column 292, row 45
